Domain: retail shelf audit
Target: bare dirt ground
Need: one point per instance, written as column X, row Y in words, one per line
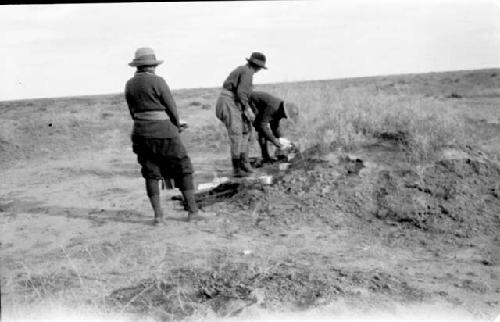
column 363, row 230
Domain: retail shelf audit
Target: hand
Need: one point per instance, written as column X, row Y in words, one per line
column 249, row 115
column 281, row 147
column 182, row 126
column 284, row 147
column 284, row 143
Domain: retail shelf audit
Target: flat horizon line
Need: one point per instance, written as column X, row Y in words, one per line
column 264, row 84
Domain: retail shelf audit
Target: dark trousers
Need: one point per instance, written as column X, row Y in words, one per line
column 164, row 158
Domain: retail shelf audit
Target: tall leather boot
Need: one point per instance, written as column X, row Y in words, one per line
column 245, row 163
column 237, row 169
column 190, row 203
column 153, row 192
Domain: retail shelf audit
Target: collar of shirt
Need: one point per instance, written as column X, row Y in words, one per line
column 150, row 73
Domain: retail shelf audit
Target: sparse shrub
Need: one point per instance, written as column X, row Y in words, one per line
column 480, row 91
column 346, row 118
column 454, row 95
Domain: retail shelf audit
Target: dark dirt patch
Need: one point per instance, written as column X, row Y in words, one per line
column 457, row 197
column 454, row 95
column 472, row 286
column 398, row 137
column 452, row 196
column 106, row 115
column 153, row 296
column 229, row 288
column 218, row 194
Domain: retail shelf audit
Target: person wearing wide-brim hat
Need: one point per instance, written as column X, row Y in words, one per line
column 269, row 111
column 233, row 110
column 155, row 136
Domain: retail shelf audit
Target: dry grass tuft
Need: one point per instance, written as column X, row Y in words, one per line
column 333, row 119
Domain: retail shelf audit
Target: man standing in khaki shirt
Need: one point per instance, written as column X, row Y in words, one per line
column 234, row 111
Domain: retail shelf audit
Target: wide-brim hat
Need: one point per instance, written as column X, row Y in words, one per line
column 145, row 56
column 258, row 59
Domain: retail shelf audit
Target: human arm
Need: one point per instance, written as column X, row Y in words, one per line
column 264, row 128
column 244, row 90
column 128, row 98
column 167, row 100
column 275, row 127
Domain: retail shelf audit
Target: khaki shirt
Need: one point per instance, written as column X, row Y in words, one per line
column 239, row 82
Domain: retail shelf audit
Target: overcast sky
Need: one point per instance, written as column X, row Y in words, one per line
column 83, row 49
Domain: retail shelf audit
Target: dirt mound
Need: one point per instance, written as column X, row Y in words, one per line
column 229, row 289
column 454, row 196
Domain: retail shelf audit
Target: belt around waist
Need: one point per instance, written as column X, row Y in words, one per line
column 227, row 92
column 151, row 116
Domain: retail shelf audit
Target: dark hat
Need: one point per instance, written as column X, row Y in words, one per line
column 258, row 59
column 145, row 56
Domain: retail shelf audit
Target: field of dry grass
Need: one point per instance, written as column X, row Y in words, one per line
column 76, row 238
column 422, row 112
